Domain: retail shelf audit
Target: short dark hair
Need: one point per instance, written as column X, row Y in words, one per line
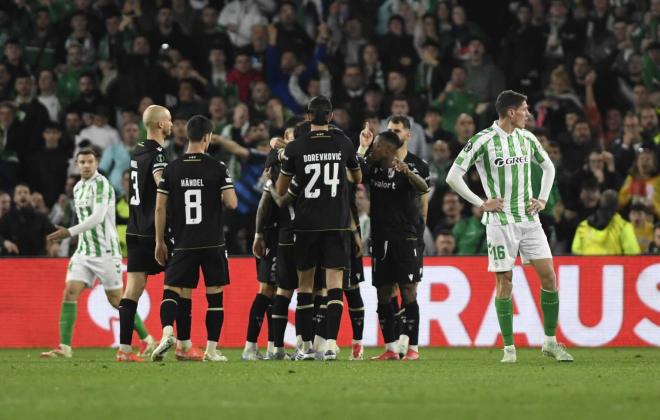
column 508, row 99
column 87, row 151
column 198, row 126
column 400, row 119
column 391, row 138
column 319, row 108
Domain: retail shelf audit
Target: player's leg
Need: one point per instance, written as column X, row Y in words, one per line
column 306, row 254
column 215, row 267
column 287, row 282
column 411, row 321
column 503, row 245
column 356, row 313
column 320, row 313
column 259, row 309
column 68, row 314
column 534, row 248
column 399, row 317
column 108, row 271
column 550, row 308
column 185, row 351
column 386, row 320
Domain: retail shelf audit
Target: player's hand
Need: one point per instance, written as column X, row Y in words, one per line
column 400, row 166
column 536, row 206
column 258, row 247
column 10, row 247
column 59, row 234
column 357, row 241
column 277, row 143
column 161, row 253
column 366, row 136
column 493, row 204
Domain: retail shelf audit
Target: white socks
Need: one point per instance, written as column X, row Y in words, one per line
column 211, row 347
column 330, row 345
column 250, row 346
column 393, row 346
column 270, row 348
column 123, row 348
column 167, row 331
column 550, row 339
column 184, row 345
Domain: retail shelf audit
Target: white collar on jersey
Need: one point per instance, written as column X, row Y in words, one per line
column 501, row 132
column 91, row 178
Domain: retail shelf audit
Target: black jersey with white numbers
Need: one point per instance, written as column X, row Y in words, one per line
column 147, row 158
column 418, row 166
column 194, row 184
column 394, row 208
column 319, row 161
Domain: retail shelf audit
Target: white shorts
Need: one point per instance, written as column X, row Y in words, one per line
column 505, row 242
column 87, row 269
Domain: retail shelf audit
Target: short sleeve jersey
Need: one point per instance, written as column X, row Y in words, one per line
column 194, row 183
column 319, row 161
column 147, row 158
column 394, row 204
column 504, row 165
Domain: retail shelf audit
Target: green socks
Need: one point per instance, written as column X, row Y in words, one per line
column 67, row 320
column 140, row 328
column 504, row 309
column 550, row 308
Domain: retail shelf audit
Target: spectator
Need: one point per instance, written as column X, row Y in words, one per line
column 439, row 166
column 89, row 99
column 48, row 167
column 188, row 101
column 69, row 77
column 351, row 93
column 575, row 149
column 23, row 230
column 445, row 244
column 599, row 166
column 33, row 114
column 567, row 216
column 642, row 223
column 462, row 31
column 259, row 100
column 431, row 76
column 452, row 212
column 290, row 35
column 455, row 100
column 400, row 110
column 218, row 113
column 168, row 32
column 207, row 35
column 116, row 42
column 433, row 126
column 522, row 52
column 352, row 43
column 649, row 120
column 243, row 76
column 321, row 85
column 642, row 182
column 397, row 87
column 177, row 146
column 605, row 232
column 238, row 17
column 6, row 85
column 11, row 135
column 5, row 203
column 613, row 126
column 82, row 37
column 654, row 246
column 625, row 148
column 396, row 40
column 372, row 68
column 100, row 134
column 470, row 234
column 484, row 79
column 464, row 130
column 41, row 48
column 13, row 58
column 117, row 158
column 47, row 97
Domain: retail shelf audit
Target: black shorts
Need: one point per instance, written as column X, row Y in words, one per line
column 287, row 275
column 327, row 249
column 394, row 261
column 183, row 267
column 420, row 256
column 267, row 266
column 141, row 251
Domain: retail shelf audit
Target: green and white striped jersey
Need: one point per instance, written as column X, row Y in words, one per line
column 503, row 162
column 94, row 200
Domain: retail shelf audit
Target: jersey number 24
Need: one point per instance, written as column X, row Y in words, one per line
column 330, row 178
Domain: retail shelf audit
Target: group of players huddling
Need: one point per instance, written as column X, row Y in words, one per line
column 307, row 236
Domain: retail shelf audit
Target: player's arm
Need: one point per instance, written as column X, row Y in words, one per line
column 99, row 210
column 230, row 146
column 424, row 205
column 459, row 168
column 547, row 179
column 353, row 170
column 227, row 192
column 357, row 240
column 282, row 200
column 259, row 246
column 287, row 170
column 415, row 179
column 160, row 218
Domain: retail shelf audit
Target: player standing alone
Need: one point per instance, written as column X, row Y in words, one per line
column 147, row 164
column 322, row 225
column 196, row 186
column 503, row 154
column 97, row 255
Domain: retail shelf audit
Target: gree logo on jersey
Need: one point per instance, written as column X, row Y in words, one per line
column 515, row 160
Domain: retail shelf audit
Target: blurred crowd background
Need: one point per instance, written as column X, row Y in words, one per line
column 79, row 73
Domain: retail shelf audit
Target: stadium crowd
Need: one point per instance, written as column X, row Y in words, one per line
column 80, row 73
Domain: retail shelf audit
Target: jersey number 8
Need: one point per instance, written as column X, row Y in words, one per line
column 332, row 181
column 193, row 203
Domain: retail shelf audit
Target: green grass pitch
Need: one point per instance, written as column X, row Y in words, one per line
column 447, row 384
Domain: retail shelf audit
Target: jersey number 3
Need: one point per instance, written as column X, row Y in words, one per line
column 193, row 203
column 135, row 198
column 329, row 179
